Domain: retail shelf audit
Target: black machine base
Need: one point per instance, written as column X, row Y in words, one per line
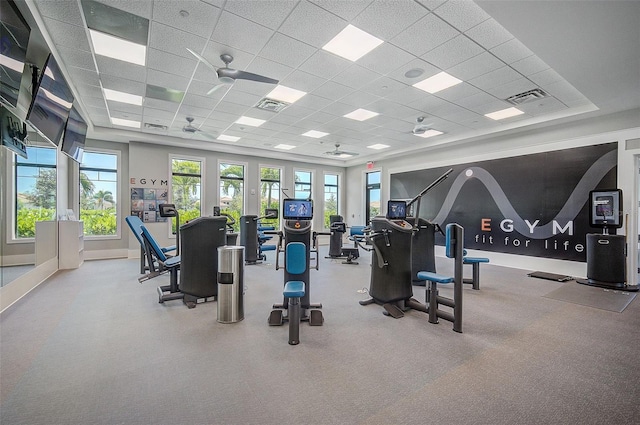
column 609, row 285
column 278, row 318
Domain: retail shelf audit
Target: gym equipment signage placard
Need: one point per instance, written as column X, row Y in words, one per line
column 535, row 205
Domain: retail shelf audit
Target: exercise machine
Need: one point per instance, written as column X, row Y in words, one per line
column 338, row 228
column 606, row 253
column 393, row 265
column 231, row 234
column 297, row 215
column 249, row 237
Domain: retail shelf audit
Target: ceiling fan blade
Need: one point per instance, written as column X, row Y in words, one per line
column 203, row 60
column 214, row 88
column 244, row 75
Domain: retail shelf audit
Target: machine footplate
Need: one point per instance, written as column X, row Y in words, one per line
column 275, row 318
column 315, row 318
column 393, row 311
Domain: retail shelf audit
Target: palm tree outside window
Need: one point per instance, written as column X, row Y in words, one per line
column 98, row 193
column 232, row 191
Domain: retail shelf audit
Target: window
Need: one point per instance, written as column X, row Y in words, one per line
column 232, row 191
column 373, row 195
column 270, row 192
column 35, row 190
column 98, row 193
column 302, row 184
column 186, row 188
column 331, row 196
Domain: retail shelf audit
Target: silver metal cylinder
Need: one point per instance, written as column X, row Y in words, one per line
column 230, row 284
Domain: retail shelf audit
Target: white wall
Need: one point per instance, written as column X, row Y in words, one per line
column 614, row 128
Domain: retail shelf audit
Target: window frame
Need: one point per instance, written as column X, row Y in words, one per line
column 338, row 188
column 119, row 197
column 303, row 170
column 202, row 161
column 281, row 169
column 12, row 193
column 245, row 167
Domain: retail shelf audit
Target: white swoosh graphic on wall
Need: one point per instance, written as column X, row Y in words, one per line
column 569, row 211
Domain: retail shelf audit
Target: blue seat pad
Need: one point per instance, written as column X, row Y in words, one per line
column 434, row 277
column 472, row 260
column 268, row 247
column 172, row 262
column 294, row 289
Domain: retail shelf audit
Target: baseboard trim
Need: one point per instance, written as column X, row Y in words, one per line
column 24, row 284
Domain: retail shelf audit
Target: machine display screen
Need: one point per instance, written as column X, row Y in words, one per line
column 297, row 209
column 396, row 210
column 605, row 208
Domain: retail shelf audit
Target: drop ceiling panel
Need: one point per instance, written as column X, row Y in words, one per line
column 324, row 64
column 332, row 90
column 312, row 24
column 199, row 19
column 453, row 52
column 427, row 69
column 530, row 65
column 301, row 80
column 545, row 77
column 476, row 66
column 385, row 19
column 344, row 9
column 242, row 98
column 268, row 68
column 385, row 58
column 230, row 108
column 124, row 108
column 241, row 33
column 84, row 76
column 426, row 34
column 269, row 13
column 199, row 101
column 89, row 91
column 495, row 78
column 462, row 14
column 356, row 77
column 123, row 85
column 518, row 86
column 140, row 8
column 359, row 99
column 161, row 104
column 109, row 66
column 489, row 34
column 286, row 50
column 94, row 102
column 176, row 41
column 511, row 51
column 458, row 91
column 68, row 35
column 77, row 58
column 170, row 63
column 384, row 87
column 157, row 115
column 314, row 102
column 164, row 79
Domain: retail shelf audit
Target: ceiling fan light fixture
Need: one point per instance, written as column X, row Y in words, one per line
column 225, row 80
column 352, row 43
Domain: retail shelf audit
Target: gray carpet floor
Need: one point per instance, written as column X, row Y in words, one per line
column 93, row 346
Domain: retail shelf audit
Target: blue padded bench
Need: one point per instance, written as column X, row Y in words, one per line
column 135, row 224
column 475, row 263
column 295, row 263
column 454, row 238
column 172, row 264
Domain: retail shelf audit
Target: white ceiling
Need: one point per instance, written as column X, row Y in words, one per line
column 584, row 54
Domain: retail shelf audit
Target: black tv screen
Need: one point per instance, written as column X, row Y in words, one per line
column 297, row 209
column 605, row 208
column 396, row 210
column 75, row 133
column 13, row 51
column 51, row 104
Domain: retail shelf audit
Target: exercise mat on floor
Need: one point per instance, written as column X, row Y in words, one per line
column 550, row 276
column 591, row 296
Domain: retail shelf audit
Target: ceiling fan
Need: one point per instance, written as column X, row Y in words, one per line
column 189, row 128
column 421, row 127
column 227, row 76
column 338, row 153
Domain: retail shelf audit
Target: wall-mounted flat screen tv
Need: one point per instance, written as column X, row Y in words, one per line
column 15, row 33
column 75, row 133
column 51, row 104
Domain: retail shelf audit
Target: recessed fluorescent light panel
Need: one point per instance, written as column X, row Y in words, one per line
column 315, row 134
column 437, row 83
column 504, row 113
column 117, row 48
column 226, row 138
column 429, row 133
column 285, row 147
column 119, row 96
column 253, row 122
column 345, row 155
column 285, row 94
column 352, row 43
column 378, row 146
column 125, row 123
column 361, row 114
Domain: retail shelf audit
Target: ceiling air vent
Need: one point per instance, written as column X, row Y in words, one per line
column 271, row 105
column 152, row 126
column 527, row 96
